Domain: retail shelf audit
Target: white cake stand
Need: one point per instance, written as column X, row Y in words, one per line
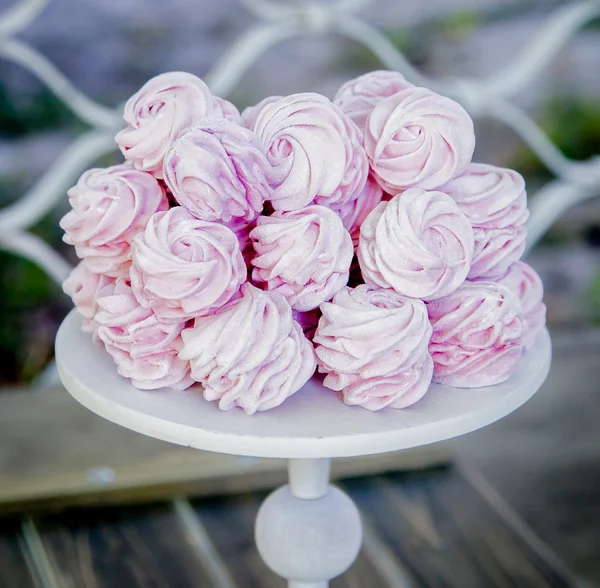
column 308, row 531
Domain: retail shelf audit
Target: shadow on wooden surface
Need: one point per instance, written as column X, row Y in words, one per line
column 442, row 528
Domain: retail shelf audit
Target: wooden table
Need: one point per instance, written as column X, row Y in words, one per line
column 440, row 528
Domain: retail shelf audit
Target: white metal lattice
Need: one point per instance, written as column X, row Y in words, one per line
column 487, row 97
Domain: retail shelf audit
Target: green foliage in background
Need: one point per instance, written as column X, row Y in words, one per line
column 31, row 305
column 573, row 124
column 21, row 115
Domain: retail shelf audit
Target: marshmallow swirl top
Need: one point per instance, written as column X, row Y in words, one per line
column 229, row 110
column 303, row 254
column 371, row 332
column 218, row 170
column 359, row 96
column 418, row 139
column 109, row 207
column 156, row 114
column 250, row 353
column 184, row 267
column 491, row 197
column 315, row 151
column 419, row 243
column 250, row 113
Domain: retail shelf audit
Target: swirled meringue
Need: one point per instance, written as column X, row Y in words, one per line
column 242, row 230
column 183, row 267
column 250, row 353
column 303, row 254
column 156, row 114
column 523, row 281
column 354, row 212
column 372, row 344
column 308, row 321
column 109, row 208
column 315, row 151
column 359, row 96
column 491, row 197
column 496, row 250
column 250, row 113
column 82, row 286
column 418, row 139
column 228, row 109
column 419, row 244
column 476, row 338
column 144, row 348
column 218, row 170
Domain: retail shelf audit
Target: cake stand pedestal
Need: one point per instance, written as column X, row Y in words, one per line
column 307, row 531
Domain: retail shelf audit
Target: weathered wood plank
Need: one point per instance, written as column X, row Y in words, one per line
column 87, row 460
column 550, row 447
column 440, row 528
column 14, row 571
column 445, row 533
column 230, row 523
column 144, row 547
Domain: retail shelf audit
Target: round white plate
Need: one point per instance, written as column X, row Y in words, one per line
column 313, row 423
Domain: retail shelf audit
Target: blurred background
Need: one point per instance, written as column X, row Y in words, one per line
column 109, row 49
column 545, row 460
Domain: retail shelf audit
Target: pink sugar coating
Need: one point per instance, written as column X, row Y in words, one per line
column 303, row 254
column 144, row 348
column 183, row 267
column 523, row 281
column 83, row 286
column 419, row 243
column 218, row 171
column 496, row 250
column 354, row 212
column 242, row 230
column 308, row 321
column 491, row 197
column 359, row 96
column 372, row 344
column 162, row 108
column 109, row 207
column 250, row 353
column 314, row 149
column 250, row 114
column 398, row 390
column 229, row 110
column 418, row 139
column 477, row 335
column 405, row 195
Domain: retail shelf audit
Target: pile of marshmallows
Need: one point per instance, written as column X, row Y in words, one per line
column 353, row 236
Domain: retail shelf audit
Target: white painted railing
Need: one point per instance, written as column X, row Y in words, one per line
column 489, row 97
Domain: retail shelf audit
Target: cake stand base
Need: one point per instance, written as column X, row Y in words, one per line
column 307, row 531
